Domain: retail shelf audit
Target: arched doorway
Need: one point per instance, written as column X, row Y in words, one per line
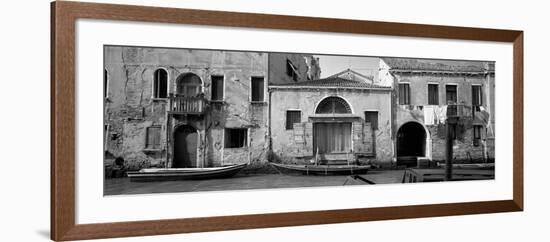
column 332, row 136
column 188, row 85
column 185, row 146
column 411, row 142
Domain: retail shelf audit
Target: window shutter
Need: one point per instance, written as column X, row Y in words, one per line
column 368, row 138
column 217, row 88
column 257, row 89
column 153, row 137
column 299, row 133
column 476, row 96
column 433, row 94
column 404, row 94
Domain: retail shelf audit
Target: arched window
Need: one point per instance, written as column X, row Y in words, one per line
column 189, row 85
column 160, row 84
column 105, row 83
column 332, row 105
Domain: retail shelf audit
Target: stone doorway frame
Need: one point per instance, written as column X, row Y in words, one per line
column 427, row 141
column 173, row 143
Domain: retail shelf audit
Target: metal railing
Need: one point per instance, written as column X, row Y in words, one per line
column 460, row 110
column 451, row 110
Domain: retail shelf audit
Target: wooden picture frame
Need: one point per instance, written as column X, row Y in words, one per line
column 63, row 18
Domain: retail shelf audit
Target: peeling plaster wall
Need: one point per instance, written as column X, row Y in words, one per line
column 463, row 150
column 419, row 86
column 298, row 142
column 130, row 108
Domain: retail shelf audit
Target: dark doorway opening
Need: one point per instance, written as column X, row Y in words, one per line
column 185, row 147
column 411, row 141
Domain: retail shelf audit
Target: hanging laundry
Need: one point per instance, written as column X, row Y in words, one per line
column 429, row 115
column 482, row 116
column 440, row 114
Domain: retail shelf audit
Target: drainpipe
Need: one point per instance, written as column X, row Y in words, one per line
column 449, row 138
column 167, row 141
column 205, row 146
column 168, row 129
column 205, row 149
column 269, row 143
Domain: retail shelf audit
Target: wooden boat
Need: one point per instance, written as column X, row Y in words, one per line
column 168, row 174
column 322, row 169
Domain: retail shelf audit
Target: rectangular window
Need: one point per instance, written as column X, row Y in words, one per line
column 235, row 138
column 477, row 96
column 372, row 118
column 160, row 85
column 152, row 140
column 477, row 134
column 450, row 93
column 217, row 88
column 257, row 89
column 404, row 94
column 433, row 94
column 293, row 117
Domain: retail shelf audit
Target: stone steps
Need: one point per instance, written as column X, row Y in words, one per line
column 408, row 161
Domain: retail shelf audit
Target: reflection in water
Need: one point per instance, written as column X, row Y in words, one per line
column 239, row 182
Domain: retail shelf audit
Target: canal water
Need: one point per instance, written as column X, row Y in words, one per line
column 120, row 186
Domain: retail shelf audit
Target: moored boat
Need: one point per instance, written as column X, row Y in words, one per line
column 164, row 174
column 322, row 169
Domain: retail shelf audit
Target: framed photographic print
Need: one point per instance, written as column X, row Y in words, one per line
column 172, row 120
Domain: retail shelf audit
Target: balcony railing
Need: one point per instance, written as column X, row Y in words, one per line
column 187, row 105
column 459, row 111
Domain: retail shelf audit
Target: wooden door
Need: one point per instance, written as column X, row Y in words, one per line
column 185, row 147
column 332, row 137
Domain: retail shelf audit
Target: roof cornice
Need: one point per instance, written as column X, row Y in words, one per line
column 325, row 87
column 470, row 73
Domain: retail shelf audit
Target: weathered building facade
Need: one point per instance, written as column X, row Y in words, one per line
column 426, row 93
column 333, row 119
column 203, row 108
column 185, row 108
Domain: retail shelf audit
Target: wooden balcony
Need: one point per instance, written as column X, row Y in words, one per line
column 181, row 105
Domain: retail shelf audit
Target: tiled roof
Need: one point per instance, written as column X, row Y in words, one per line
column 437, row 65
column 352, row 72
column 334, row 82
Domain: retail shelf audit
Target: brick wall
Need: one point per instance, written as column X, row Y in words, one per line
column 463, row 148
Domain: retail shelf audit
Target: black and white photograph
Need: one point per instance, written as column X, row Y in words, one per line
column 197, row 120
column 274, row 120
